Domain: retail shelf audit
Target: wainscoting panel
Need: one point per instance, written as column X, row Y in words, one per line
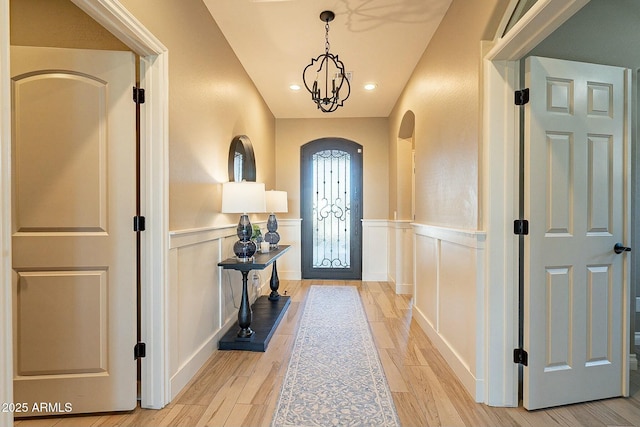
column 203, row 298
column 198, row 311
column 457, row 300
column 289, row 265
column 400, row 267
column 449, row 284
column 375, row 237
column 426, row 275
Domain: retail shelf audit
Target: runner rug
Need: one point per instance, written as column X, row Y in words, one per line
column 334, row 377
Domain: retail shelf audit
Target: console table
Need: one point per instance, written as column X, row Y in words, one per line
column 268, row 311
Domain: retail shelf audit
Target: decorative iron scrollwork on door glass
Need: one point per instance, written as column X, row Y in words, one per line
column 331, row 209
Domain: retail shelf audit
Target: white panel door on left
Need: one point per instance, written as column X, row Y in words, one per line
column 74, row 251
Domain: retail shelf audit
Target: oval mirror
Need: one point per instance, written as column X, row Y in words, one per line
column 242, row 163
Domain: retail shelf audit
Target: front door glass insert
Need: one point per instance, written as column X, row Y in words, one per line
column 331, row 209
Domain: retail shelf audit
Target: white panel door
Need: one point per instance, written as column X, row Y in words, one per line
column 74, row 253
column 575, row 182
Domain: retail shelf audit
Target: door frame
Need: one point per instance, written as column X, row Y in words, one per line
column 500, row 78
column 356, row 215
column 154, row 72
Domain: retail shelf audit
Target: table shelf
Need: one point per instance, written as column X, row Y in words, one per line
column 266, row 311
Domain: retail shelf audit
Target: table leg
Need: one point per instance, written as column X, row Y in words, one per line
column 244, row 313
column 274, row 284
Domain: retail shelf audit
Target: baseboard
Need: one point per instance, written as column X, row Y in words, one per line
column 197, row 360
column 289, row 275
column 191, row 367
column 474, row 386
column 404, row 288
column 374, row 277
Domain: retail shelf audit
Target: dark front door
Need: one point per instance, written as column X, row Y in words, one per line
column 331, row 207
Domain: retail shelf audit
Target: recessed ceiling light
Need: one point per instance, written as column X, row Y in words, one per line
column 370, row 86
column 294, row 87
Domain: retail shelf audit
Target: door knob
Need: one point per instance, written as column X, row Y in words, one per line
column 618, row 248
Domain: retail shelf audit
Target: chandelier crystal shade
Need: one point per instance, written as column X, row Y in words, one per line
column 330, row 86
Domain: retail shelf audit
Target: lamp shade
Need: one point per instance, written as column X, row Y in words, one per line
column 243, row 197
column 277, row 201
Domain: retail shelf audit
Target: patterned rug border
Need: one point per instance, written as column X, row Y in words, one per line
column 334, row 376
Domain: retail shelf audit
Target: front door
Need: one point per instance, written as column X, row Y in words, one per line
column 74, row 251
column 331, row 207
column 576, row 182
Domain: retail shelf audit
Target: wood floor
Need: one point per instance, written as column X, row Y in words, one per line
column 238, row 388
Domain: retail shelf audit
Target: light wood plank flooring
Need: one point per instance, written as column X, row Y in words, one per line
column 239, row 388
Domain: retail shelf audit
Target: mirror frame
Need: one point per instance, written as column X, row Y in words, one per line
column 242, row 144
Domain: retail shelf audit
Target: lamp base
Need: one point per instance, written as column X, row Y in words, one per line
column 273, row 238
column 272, row 235
column 244, row 250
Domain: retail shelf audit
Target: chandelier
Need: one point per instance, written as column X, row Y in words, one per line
column 329, row 75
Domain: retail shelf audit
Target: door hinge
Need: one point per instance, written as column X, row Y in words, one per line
column 139, row 350
column 520, row 357
column 522, row 96
column 521, row 227
column 138, row 223
column 138, row 95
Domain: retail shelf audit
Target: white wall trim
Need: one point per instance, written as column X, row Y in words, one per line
column 400, row 223
column 6, row 329
column 470, row 238
column 500, row 202
column 193, row 236
column 198, row 359
column 375, row 244
column 290, row 265
column 462, row 371
column 222, row 236
column 400, row 251
column 541, row 20
column 403, row 288
column 154, row 133
column 473, row 379
column 193, row 362
column 113, row 16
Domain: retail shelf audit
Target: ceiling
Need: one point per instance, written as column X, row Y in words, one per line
column 379, row 41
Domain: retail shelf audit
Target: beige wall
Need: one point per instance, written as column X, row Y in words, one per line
column 444, row 94
column 371, row 133
column 211, row 99
column 57, row 23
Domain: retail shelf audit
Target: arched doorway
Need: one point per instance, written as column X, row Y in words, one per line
column 331, row 209
column 405, row 148
column 401, row 234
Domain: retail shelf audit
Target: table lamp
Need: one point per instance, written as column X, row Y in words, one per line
column 276, row 202
column 243, row 197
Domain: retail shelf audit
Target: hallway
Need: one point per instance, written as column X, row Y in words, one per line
column 241, row 388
